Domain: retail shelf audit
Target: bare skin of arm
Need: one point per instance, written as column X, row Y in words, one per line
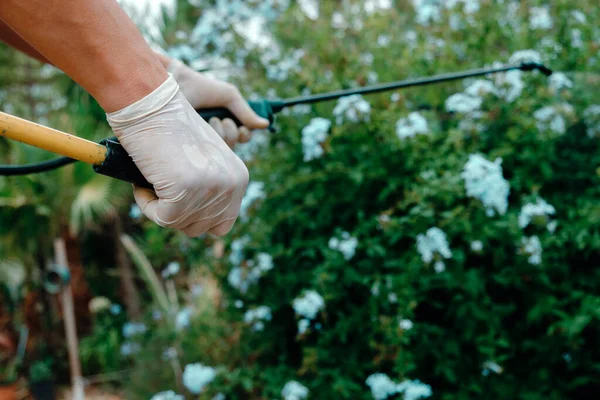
column 92, row 41
column 12, row 38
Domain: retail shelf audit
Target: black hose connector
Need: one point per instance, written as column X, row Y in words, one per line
column 119, row 165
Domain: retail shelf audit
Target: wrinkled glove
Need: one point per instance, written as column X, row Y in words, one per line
column 204, row 92
column 198, row 181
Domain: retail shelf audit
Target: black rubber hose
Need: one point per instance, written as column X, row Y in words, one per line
column 13, row 170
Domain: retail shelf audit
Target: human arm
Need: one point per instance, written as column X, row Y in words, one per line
column 198, row 181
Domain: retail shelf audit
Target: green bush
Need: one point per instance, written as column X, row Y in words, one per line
column 453, row 240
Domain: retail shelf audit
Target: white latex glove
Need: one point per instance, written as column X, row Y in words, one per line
column 198, row 181
column 205, row 92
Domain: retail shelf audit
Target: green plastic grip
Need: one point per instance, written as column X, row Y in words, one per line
column 263, row 108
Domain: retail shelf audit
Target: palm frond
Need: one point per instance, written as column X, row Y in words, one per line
column 92, row 203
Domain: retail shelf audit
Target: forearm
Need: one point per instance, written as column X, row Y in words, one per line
column 92, row 41
column 11, row 38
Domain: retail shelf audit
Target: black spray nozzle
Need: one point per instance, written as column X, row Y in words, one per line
column 534, row 66
column 267, row 109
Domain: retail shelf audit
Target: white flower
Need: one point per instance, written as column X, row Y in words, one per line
column 313, row 135
column 309, row 304
column 552, row 226
column 352, row 108
column 168, row 395
column 218, row 396
column 477, row 245
column 383, row 40
column 372, row 6
column 576, row 38
column 591, row 117
column 551, row 117
column 532, row 247
column 129, row 348
column 310, row 8
column 285, row 65
column 393, row 298
column 463, row 103
column 172, row 269
column 256, row 316
column 265, row 262
column 439, row 266
column 414, row 390
column 395, row 97
column 294, row 391
column 381, row 386
column 427, row 11
column 525, row 56
column 432, row 242
column 338, row 21
column 412, row 125
column 237, row 250
column 406, row 324
column 131, row 329
column 346, row 245
column 559, row 81
column 303, row 325
column 484, row 181
column 469, row 6
column 480, row 88
column 509, row 85
column 197, row 376
column 539, row 18
column 531, row 210
column 579, row 16
column 182, row 319
column 255, row 191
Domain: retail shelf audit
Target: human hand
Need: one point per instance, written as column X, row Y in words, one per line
column 205, row 92
column 198, row 181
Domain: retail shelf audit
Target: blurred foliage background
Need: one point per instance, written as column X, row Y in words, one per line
column 440, row 241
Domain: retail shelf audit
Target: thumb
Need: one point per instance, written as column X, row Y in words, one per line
column 147, row 201
column 240, row 108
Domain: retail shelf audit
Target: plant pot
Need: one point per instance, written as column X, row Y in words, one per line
column 8, row 391
column 43, row 390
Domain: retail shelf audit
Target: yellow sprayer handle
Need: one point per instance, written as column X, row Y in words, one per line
column 58, row 142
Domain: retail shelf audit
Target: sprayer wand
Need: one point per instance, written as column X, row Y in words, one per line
column 110, row 159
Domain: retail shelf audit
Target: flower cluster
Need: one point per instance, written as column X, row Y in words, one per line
column 383, row 387
column 532, row 248
column 168, row 395
column 307, row 307
column 552, row 117
column 257, row 316
column 241, row 278
column 534, row 211
column 346, row 245
column 353, row 109
column 197, row 376
column 255, row 191
column 484, row 181
column 294, row 391
column 414, row 124
column 313, row 135
column 433, row 242
column 591, row 117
